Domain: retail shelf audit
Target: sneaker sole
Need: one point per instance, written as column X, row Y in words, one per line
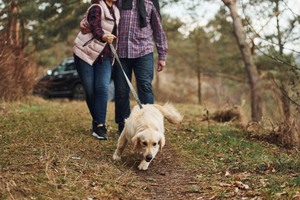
column 99, row 137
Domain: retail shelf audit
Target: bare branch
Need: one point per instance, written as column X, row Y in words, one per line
column 273, row 57
column 285, row 94
column 290, row 9
column 257, row 33
column 273, row 43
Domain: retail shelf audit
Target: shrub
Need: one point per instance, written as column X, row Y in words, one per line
column 17, row 73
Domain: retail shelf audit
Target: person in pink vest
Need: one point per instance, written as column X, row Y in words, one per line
column 93, row 59
column 140, row 23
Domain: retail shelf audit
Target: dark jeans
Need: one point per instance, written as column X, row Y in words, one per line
column 95, row 80
column 143, row 70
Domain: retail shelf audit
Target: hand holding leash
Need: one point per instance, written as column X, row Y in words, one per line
column 108, row 38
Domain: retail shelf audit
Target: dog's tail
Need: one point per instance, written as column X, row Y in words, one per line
column 170, row 113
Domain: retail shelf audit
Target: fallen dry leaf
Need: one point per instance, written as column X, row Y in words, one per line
column 297, row 195
column 285, row 184
column 278, row 195
column 240, row 185
column 236, row 190
column 227, row 174
column 242, row 176
column 225, row 185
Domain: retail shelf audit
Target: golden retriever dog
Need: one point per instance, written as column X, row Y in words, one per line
column 144, row 129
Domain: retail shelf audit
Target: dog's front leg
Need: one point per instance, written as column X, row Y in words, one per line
column 144, row 165
column 120, row 147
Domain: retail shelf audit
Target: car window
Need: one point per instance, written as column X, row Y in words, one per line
column 59, row 69
column 64, row 67
column 70, row 67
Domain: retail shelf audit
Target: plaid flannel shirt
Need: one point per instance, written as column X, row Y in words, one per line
column 134, row 41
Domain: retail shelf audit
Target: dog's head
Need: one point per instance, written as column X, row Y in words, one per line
column 148, row 142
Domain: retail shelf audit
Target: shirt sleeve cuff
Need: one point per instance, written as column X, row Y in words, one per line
column 84, row 19
column 162, row 57
column 101, row 40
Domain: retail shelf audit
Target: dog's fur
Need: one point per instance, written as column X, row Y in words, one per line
column 145, row 130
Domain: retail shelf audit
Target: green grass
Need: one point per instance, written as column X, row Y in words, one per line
column 225, row 148
column 47, row 152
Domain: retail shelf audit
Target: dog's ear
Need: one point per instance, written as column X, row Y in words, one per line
column 162, row 142
column 135, row 142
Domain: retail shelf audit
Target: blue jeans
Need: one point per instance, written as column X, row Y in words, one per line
column 95, row 80
column 143, row 69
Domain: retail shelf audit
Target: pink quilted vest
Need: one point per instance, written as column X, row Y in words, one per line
column 89, row 51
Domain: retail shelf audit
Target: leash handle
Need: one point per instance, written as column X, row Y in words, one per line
column 128, row 81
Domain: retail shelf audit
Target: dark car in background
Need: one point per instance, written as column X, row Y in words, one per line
column 63, row 81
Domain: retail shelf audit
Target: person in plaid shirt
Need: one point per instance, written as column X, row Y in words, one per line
column 140, row 21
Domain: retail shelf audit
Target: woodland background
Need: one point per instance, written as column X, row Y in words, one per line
column 223, row 64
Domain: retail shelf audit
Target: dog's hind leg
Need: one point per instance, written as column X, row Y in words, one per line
column 120, row 147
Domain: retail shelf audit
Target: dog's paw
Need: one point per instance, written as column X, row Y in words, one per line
column 143, row 166
column 116, row 157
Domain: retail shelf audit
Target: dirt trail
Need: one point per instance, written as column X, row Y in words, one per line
column 168, row 179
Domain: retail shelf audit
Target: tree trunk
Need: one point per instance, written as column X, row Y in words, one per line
column 13, row 25
column 285, row 102
column 284, row 91
column 255, row 85
column 199, row 88
column 199, row 67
